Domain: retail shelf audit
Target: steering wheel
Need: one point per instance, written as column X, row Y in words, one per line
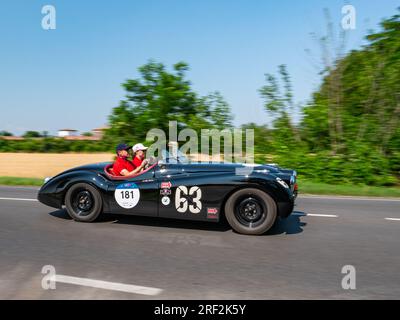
column 150, row 162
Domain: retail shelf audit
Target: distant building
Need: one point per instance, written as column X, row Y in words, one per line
column 62, row 133
column 99, row 132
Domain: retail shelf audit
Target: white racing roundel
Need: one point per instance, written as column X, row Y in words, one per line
column 127, row 195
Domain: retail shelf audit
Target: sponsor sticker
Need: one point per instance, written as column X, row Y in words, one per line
column 165, row 192
column 166, row 185
column 127, row 195
column 212, row 213
column 165, row 200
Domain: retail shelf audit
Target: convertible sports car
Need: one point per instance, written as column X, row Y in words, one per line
column 249, row 197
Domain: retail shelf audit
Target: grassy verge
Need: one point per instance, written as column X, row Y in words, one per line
column 14, row 181
column 305, row 186
column 310, row 187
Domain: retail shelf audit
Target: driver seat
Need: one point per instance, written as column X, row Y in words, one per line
column 109, row 172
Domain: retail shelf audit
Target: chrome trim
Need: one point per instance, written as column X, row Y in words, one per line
column 282, row 183
column 272, row 164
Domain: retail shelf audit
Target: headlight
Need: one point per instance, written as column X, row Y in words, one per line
column 282, row 183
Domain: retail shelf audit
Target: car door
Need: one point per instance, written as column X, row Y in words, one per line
column 135, row 196
column 187, row 196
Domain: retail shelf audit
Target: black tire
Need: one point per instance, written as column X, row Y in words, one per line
column 83, row 202
column 251, row 211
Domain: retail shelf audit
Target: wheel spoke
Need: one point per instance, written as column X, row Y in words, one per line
column 250, row 211
column 82, row 202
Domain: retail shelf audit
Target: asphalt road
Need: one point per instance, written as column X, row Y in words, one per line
column 300, row 258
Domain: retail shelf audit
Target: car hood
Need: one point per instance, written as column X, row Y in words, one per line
column 195, row 167
column 96, row 167
column 220, row 167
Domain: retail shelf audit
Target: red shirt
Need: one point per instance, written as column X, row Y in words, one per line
column 137, row 162
column 121, row 164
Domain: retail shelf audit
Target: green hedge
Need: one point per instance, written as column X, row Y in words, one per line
column 360, row 165
column 357, row 167
column 53, row 145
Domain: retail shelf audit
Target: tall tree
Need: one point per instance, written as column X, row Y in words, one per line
column 32, row 134
column 363, row 88
column 5, row 134
column 160, row 96
column 278, row 101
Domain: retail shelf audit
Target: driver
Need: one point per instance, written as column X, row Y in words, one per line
column 139, row 155
column 122, row 166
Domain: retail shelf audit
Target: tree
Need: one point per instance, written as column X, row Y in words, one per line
column 279, row 103
column 32, row 134
column 332, row 52
column 5, row 134
column 356, row 112
column 160, row 96
column 218, row 111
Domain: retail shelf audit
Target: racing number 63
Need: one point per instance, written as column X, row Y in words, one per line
column 181, row 202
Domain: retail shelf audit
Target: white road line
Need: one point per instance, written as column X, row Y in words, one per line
column 393, row 219
column 108, row 285
column 322, row 215
column 315, row 215
column 18, row 199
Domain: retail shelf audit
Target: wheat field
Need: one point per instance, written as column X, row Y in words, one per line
column 41, row 165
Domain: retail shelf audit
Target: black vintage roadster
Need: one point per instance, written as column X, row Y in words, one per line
column 249, row 197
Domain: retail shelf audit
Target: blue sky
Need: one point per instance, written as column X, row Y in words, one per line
column 71, row 77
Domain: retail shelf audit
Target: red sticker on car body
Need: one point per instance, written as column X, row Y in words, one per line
column 212, row 213
column 166, row 185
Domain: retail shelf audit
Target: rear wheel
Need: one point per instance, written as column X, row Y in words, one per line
column 83, row 202
column 251, row 211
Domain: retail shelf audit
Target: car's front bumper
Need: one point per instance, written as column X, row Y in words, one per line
column 285, row 208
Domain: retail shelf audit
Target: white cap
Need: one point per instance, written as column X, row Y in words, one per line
column 138, row 147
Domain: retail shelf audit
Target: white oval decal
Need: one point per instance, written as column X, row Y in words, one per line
column 127, row 195
column 165, row 200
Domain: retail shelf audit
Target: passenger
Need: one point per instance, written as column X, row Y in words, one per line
column 122, row 166
column 139, row 155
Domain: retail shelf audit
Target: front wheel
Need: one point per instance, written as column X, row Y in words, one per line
column 83, row 202
column 251, row 211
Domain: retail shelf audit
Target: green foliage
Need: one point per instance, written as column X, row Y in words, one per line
column 5, row 134
column 276, row 101
column 160, row 96
column 312, row 187
column 17, row 181
column 54, row 145
column 350, row 131
column 32, row 134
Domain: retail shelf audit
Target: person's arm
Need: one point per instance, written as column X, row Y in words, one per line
column 138, row 169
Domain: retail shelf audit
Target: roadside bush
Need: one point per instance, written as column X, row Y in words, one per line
column 53, row 145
